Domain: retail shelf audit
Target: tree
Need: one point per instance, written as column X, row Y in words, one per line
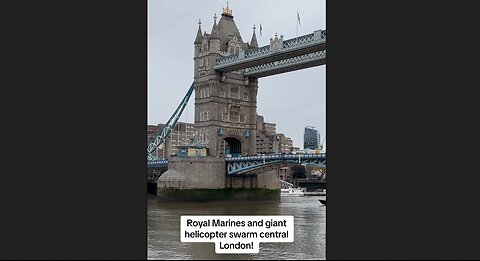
column 298, row 171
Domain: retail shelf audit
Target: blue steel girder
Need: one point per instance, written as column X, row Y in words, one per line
column 151, row 157
column 301, row 45
column 257, row 164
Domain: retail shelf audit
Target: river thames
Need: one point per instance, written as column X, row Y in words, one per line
column 309, row 224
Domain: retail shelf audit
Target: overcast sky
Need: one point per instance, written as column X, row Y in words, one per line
column 291, row 100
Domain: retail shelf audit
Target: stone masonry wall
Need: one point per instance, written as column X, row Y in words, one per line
column 265, row 180
column 194, row 173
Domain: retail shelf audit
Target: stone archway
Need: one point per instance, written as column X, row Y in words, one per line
column 232, row 147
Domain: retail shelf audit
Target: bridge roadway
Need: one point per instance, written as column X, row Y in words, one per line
column 259, row 163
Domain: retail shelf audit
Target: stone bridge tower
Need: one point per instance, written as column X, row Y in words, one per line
column 225, row 103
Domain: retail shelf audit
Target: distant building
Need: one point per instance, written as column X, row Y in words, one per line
column 182, row 134
column 311, row 138
column 266, row 141
column 284, row 144
column 295, row 149
column 152, row 131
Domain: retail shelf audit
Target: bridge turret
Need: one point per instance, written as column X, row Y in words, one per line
column 215, row 37
column 276, row 43
column 253, row 42
column 198, row 49
column 199, row 37
column 225, row 104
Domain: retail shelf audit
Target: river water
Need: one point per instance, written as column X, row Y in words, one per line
column 309, row 224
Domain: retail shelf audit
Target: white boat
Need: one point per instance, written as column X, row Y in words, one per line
column 288, row 192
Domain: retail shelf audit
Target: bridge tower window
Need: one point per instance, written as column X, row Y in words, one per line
column 202, row 136
column 204, row 93
column 225, row 114
column 204, row 116
column 234, row 92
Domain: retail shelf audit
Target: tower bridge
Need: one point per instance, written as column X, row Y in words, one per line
column 226, row 73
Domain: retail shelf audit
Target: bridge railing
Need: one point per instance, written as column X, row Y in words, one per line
column 257, row 51
column 157, row 163
column 244, row 56
column 227, row 59
column 315, row 37
column 278, row 157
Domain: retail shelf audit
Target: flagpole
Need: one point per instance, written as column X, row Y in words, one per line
column 260, row 42
column 296, row 35
column 260, row 36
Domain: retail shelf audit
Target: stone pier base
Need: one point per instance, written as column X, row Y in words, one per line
column 205, row 179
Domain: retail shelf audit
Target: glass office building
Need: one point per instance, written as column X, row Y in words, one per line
column 311, row 138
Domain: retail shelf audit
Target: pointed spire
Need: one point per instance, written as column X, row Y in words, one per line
column 253, row 42
column 198, row 39
column 214, row 33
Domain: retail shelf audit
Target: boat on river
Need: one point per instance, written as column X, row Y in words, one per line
column 289, row 192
